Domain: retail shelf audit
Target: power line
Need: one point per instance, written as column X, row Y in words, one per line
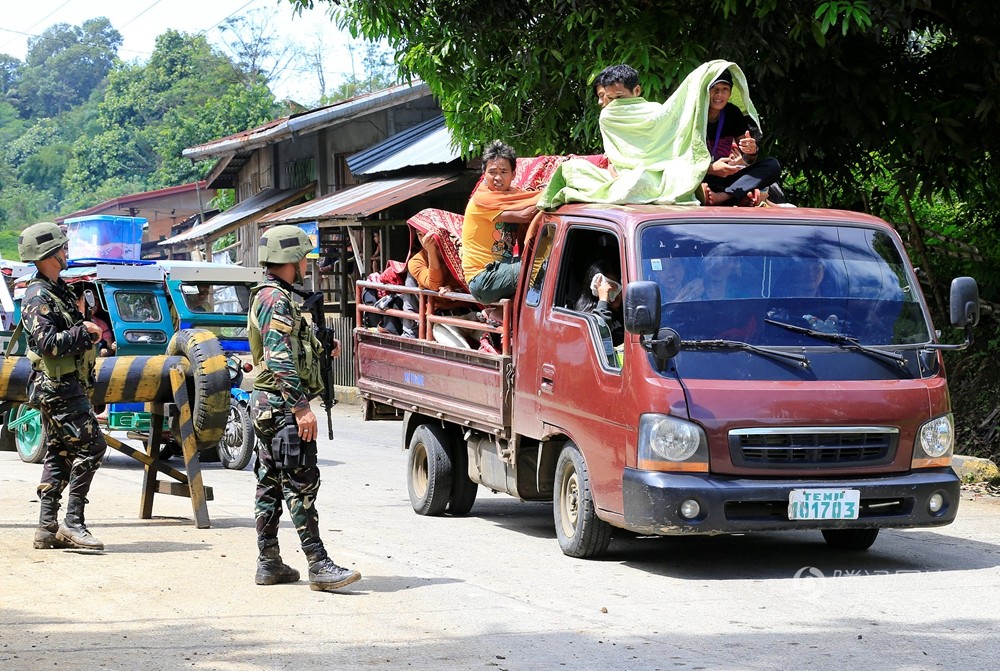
column 154, row 4
column 54, row 11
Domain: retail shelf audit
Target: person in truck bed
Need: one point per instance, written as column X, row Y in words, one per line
column 489, row 231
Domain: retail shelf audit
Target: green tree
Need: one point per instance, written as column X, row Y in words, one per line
column 10, row 75
column 65, row 64
column 186, row 94
column 834, row 79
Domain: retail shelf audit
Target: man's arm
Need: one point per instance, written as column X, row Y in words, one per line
column 52, row 337
column 521, row 216
column 274, row 317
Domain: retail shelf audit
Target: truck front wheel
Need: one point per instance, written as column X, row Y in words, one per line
column 850, row 539
column 429, row 481
column 580, row 532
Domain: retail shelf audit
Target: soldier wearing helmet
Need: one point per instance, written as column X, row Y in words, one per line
column 283, row 343
column 61, row 348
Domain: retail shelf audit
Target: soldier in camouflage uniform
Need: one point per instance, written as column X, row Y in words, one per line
column 286, row 427
column 61, row 348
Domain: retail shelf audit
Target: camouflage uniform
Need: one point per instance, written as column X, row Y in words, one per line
column 74, row 442
column 286, row 384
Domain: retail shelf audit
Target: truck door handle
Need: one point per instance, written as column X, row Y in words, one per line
column 548, row 378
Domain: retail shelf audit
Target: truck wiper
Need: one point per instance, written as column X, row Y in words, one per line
column 800, row 359
column 846, row 342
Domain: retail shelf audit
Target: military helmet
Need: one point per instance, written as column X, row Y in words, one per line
column 283, row 244
column 40, row 241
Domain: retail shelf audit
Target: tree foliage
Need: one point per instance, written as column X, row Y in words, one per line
column 64, row 65
column 186, row 94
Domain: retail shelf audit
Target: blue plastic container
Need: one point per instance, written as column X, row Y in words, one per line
column 105, row 236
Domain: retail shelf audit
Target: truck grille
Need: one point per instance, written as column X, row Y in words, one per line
column 813, row 446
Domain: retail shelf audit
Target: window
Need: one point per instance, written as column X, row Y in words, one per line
column 216, row 298
column 543, row 248
column 735, row 281
column 137, row 306
column 590, row 252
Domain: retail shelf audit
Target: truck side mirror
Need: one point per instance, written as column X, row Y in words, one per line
column 642, row 307
column 964, row 302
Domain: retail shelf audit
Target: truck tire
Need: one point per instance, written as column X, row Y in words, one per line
column 29, row 435
column 463, row 489
column 581, row 533
column 236, row 448
column 850, row 539
column 429, row 470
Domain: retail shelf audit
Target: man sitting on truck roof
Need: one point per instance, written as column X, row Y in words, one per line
column 491, row 219
column 736, row 170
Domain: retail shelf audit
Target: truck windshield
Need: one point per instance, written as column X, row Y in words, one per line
column 743, row 281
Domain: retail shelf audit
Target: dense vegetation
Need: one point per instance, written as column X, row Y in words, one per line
column 79, row 126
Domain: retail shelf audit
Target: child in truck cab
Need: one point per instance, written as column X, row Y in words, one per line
column 489, row 231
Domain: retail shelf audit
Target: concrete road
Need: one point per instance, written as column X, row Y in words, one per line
column 490, row 591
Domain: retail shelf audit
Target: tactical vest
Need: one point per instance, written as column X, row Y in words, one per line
column 58, row 366
column 305, row 347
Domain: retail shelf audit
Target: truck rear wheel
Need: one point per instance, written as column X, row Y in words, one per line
column 850, row 539
column 463, row 488
column 580, row 531
column 430, row 470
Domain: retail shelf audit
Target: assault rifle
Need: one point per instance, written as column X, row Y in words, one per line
column 313, row 304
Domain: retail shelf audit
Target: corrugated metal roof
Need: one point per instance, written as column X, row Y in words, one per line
column 265, row 201
column 313, row 120
column 359, row 201
column 428, row 143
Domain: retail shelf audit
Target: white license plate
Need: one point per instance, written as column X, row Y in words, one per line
column 824, row 504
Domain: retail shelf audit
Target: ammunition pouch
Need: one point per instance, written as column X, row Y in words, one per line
column 57, row 367
column 288, row 450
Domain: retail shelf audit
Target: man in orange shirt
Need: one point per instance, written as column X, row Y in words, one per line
column 490, row 227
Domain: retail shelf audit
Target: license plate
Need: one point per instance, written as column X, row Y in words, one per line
column 824, row 504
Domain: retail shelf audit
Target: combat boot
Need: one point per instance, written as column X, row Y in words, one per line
column 324, row 575
column 48, row 524
column 270, row 569
column 74, row 531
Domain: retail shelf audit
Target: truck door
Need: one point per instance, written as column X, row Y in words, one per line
column 579, row 374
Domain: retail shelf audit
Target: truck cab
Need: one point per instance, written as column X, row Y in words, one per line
column 777, row 369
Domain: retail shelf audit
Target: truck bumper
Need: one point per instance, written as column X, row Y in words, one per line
column 652, row 502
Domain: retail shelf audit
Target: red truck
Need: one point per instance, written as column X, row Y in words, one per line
column 777, row 369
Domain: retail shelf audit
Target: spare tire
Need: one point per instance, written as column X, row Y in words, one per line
column 208, row 385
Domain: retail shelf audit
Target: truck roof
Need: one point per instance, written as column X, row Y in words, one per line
column 634, row 215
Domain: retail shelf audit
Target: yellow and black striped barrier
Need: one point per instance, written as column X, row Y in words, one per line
column 192, row 375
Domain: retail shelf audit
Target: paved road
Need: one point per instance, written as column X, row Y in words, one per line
column 490, row 591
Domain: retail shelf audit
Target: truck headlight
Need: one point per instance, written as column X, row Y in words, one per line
column 668, row 443
column 935, row 443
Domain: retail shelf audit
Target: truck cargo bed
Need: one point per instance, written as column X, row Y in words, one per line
column 469, row 388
